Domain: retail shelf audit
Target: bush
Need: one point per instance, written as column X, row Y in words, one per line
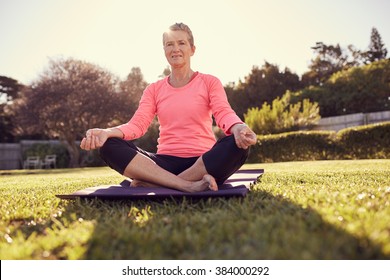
column 292, row 146
column 364, row 142
column 282, row 116
column 42, row 150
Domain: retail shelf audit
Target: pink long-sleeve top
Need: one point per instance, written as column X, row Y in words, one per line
column 184, row 114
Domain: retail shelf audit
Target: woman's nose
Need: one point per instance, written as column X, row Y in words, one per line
column 176, row 48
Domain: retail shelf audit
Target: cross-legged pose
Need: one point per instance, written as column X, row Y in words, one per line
column 188, row 156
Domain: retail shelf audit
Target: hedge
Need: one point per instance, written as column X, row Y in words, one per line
column 44, row 149
column 362, row 142
column 371, row 141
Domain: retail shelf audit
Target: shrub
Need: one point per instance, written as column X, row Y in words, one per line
column 369, row 141
column 364, row 142
column 282, row 116
column 44, row 149
column 292, row 146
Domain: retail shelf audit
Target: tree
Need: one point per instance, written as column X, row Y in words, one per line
column 70, row 97
column 134, row 84
column 376, row 49
column 261, row 85
column 132, row 89
column 329, row 59
column 6, row 125
column 9, row 89
column 166, row 72
column 359, row 89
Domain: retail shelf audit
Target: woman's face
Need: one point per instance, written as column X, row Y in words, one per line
column 178, row 50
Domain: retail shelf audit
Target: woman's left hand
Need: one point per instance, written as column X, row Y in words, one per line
column 243, row 135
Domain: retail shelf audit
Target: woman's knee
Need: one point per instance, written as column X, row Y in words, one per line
column 117, row 153
column 234, row 149
column 225, row 158
column 110, row 147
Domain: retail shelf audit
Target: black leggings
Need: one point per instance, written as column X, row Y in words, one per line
column 221, row 161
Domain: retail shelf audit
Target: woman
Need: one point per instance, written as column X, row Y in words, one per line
column 188, row 159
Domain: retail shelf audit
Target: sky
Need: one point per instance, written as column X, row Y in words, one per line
column 231, row 36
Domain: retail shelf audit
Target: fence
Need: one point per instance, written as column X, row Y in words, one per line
column 345, row 121
column 11, row 154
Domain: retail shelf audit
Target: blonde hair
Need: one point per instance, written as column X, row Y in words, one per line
column 181, row 27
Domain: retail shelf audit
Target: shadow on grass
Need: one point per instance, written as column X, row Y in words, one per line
column 260, row 226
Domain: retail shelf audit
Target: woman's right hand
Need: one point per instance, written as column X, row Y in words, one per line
column 94, row 139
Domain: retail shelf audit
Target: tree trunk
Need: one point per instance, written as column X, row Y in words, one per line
column 74, row 153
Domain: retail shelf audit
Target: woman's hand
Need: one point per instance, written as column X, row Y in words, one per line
column 243, row 135
column 94, row 139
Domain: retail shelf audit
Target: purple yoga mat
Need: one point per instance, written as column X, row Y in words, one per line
column 238, row 185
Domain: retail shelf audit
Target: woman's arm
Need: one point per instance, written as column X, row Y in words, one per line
column 223, row 113
column 226, row 118
column 135, row 128
column 142, row 118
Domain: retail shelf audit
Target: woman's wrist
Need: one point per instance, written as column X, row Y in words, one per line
column 114, row 132
column 235, row 126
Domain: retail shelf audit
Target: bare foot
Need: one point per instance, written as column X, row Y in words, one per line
column 208, row 181
column 138, row 183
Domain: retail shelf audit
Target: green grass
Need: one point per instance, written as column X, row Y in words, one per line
column 298, row 210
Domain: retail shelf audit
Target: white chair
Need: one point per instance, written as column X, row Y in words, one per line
column 33, row 161
column 50, row 161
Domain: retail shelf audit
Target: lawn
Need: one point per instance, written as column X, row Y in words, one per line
column 298, row 210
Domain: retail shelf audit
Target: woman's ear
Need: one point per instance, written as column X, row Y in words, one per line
column 193, row 48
